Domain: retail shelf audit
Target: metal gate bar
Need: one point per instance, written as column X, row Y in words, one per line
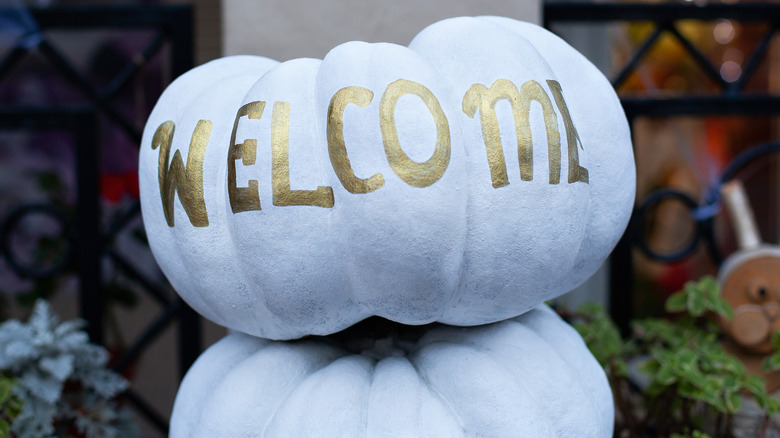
column 89, row 243
column 732, row 99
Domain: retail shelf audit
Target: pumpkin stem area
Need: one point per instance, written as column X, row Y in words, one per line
column 377, row 337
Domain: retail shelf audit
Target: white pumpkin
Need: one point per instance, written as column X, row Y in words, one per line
column 464, row 179
column 531, row 376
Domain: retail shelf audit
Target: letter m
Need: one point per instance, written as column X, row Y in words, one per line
column 483, row 99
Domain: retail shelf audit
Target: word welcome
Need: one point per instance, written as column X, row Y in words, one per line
column 187, row 180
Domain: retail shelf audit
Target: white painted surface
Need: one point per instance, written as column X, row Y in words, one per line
column 458, row 251
column 531, row 376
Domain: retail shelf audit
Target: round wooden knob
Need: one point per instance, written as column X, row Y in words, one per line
column 750, row 326
column 750, row 283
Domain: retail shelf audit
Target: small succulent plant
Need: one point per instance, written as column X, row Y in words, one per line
column 61, row 380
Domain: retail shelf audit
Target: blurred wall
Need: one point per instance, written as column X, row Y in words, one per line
column 284, row 30
column 208, row 28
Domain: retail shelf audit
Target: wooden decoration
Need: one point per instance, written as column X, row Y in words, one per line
column 750, row 282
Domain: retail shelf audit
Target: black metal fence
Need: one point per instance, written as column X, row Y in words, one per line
column 87, row 235
column 731, row 99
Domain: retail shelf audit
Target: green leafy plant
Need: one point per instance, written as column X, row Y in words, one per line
column 694, row 434
column 772, row 362
column 60, row 379
column 10, row 405
column 672, row 377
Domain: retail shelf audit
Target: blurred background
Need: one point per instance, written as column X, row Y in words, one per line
column 698, row 80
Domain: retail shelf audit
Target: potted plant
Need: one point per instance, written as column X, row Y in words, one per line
column 673, row 377
column 56, row 383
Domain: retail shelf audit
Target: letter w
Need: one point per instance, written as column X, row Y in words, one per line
column 187, row 181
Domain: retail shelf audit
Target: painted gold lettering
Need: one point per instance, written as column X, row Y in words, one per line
column 479, row 97
column 576, row 172
column 243, row 198
column 413, row 173
column 337, row 149
column 186, row 181
column 280, row 169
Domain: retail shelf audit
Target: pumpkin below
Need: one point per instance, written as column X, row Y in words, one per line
column 530, row 376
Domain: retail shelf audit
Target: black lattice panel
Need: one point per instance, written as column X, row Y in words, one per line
column 88, row 233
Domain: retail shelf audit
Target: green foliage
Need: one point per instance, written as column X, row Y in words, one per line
column 694, row 434
column 687, row 370
column 61, row 379
column 603, row 338
column 696, row 298
column 10, row 405
column 772, row 363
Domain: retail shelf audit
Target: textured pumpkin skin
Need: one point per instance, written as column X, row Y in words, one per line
column 531, row 376
column 459, row 251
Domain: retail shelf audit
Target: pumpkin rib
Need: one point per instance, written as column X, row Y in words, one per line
column 550, row 352
column 274, row 294
column 429, row 42
column 182, row 108
column 569, row 334
column 561, row 49
column 228, row 233
column 321, row 133
column 390, row 214
column 486, row 358
column 469, row 341
column 554, row 326
column 209, row 371
column 520, row 379
column 455, row 125
column 430, row 387
column 334, row 216
column 387, row 371
column 225, row 231
column 311, row 383
column 343, row 240
column 459, row 292
column 200, row 302
column 324, row 364
column 561, row 56
column 315, row 354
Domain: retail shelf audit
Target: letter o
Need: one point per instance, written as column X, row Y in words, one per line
column 413, row 173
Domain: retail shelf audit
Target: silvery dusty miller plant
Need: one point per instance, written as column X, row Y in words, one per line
column 61, row 379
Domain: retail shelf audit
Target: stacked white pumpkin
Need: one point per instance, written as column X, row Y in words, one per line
column 464, row 180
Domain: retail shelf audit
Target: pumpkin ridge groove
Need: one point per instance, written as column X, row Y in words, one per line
column 371, row 375
column 458, row 292
column 324, row 364
column 531, row 333
column 556, row 351
column 332, row 180
column 486, row 353
column 428, row 385
column 246, row 355
column 182, row 245
column 469, row 432
column 228, row 232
